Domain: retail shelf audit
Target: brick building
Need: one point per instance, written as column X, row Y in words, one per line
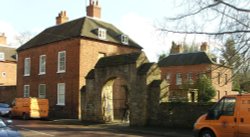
column 7, row 71
column 179, row 68
column 54, row 63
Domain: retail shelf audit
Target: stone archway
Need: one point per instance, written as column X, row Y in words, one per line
column 107, row 101
column 121, row 82
column 114, row 100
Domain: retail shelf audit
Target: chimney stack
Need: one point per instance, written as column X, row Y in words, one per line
column 61, row 18
column 176, row 48
column 93, row 10
column 204, row 47
column 3, row 39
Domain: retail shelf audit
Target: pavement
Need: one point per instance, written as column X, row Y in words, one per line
column 124, row 127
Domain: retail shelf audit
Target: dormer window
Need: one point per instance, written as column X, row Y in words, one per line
column 102, row 33
column 2, row 58
column 124, row 39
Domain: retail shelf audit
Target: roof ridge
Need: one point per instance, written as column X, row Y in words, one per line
column 192, row 58
column 80, row 27
column 97, row 20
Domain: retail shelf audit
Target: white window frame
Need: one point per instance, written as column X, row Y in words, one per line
column 42, row 91
column 60, row 62
column 27, row 62
column 42, row 65
column 2, row 56
column 61, row 94
column 124, row 39
column 102, row 33
column 178, row 79
column 26, row 91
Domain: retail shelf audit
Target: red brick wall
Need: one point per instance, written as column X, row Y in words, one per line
column 210, row 70
column 81, row 57
column 52, row 78
column 7, row 94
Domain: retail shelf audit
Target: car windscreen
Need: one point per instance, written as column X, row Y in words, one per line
column 4, row 105
column 2, row 124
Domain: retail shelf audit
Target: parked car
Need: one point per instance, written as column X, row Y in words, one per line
column 227, row 118
column 4, row 109
column 6, row 131
column 30, row 108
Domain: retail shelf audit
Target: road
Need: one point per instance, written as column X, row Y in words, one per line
column 39, row 128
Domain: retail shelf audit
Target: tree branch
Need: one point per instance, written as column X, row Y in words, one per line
column 231, row 17
column 194, row 13
column 234, row 7
column 206, row 33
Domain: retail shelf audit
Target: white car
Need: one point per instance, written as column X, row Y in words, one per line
column 4, row 109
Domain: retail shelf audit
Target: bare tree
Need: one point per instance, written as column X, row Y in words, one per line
column 219, row 19
column 23, row 37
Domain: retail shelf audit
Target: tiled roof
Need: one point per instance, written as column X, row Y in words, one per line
column 184, row 59
column 82, row 27
column 118, row 60
column 9, row 53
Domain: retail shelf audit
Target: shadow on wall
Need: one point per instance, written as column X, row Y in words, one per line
column 180, row 114
column 7, row 94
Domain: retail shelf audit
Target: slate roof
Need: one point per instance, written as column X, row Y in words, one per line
column 118, row 60
column 9, row 53
column 184, row 59
column 143, row 69
column 82, row 27
column 155, row 83
column 91, row 74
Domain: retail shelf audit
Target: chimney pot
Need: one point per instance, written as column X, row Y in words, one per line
column 61, row 18
column 176, row 48
column 3, row 39
column 93, row 10
column 204, row 47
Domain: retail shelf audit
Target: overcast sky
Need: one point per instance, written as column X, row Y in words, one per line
column 137, row 18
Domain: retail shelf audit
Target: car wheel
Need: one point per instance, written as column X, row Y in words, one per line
column 207, row 133
column 25, row 116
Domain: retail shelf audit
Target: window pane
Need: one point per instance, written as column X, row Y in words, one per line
column 42, row 64
column 101, row 33
column 61, row 61
column 60, row 94
column 42, row 91
column 124, row 39
column 26, row 91
column 27, row 66
column 228, row 107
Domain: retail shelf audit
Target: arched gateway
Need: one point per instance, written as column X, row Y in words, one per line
column 123, row 87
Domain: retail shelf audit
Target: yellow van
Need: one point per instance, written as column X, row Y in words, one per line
column 230, row 117
column 29, row 108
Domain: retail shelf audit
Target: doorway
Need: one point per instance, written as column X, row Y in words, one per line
column 115, row 104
